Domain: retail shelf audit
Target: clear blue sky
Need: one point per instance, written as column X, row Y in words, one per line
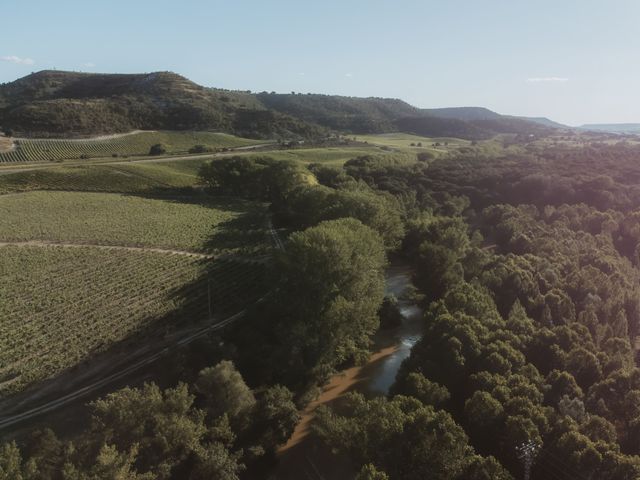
column 575, row 61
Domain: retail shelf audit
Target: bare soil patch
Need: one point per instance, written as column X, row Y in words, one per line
column 6, row 144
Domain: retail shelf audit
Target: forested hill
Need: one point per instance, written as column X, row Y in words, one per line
column 55, row 103
column 463, row 113
column 382, row 115
column 362, row 115
column 69, row 103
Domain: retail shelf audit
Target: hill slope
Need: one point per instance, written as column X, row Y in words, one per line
column 351, row 114
column 53, row 103
column 544, row 121
column 384, row 115
column 57, row 103
column 463, row 113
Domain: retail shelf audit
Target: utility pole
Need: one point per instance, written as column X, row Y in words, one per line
column 527, row 452
column 209, row 296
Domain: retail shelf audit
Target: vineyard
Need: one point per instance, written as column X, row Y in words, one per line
column 136, row 144
column 60, row 306
column 166, row 177
column 162, row 177
column 199, row 224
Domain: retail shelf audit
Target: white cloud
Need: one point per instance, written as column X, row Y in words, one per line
column 547, row 79
column 301, row 74
column 89, row 65
column 18, row 60
column 348, row 74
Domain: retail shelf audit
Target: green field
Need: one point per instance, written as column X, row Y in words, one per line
column 163, row 176
column 60, row 306
column 403, row 142
column 82, row 271
column 334, row 155
column 136, row 144
column 198, row 224
column 134, row 177
column 81, row 263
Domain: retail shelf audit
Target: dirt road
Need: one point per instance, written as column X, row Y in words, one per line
column 26, row 167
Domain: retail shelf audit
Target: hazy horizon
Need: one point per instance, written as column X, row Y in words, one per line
column 573, row 63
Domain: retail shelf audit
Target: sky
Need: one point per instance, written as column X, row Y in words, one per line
column 574, row 61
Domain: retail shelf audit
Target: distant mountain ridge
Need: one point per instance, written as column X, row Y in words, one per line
column 544, row 121
column 463, row 113
column 353, row 114
column 629, row 128
column 481, row 113
column 57, row 103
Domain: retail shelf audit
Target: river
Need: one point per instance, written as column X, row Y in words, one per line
column 403, row 338
column 303, row 457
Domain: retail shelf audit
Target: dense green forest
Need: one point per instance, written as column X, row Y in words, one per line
column 528, row 266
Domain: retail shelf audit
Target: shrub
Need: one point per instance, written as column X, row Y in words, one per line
column 425, row 156
column 390, row 316
column 199, row 149
column 157, row 149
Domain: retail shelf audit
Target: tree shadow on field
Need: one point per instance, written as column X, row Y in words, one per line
column 235, row 277
column 244, row 234
column 169, row 349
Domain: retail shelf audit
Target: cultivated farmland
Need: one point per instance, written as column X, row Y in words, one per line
column 414, row 143
column 136, row 144
column 159, row 178
column 198, row 224
column 59, row 306
column 164, row 177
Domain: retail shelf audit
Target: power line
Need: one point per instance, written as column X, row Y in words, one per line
column 563, row 464
column 550, row 467
column 554, row 474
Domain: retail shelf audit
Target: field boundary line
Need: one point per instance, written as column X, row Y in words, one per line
column 16, row 167
column 97, row 138
column 168, row 251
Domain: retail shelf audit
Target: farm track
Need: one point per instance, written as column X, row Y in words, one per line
column 100, row 137
column 26, row 167
column 135, row 362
